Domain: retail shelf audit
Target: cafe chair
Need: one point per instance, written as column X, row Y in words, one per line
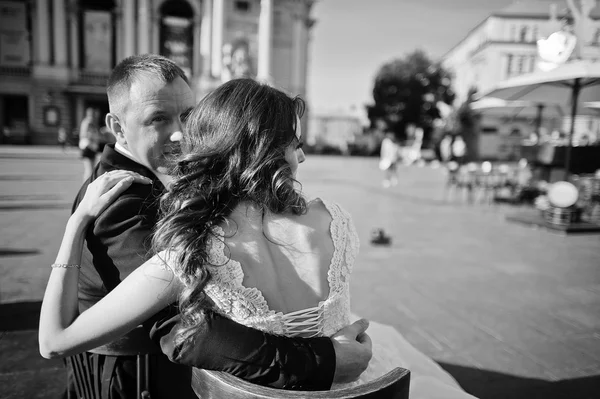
column 89, row 384
column 217, row 385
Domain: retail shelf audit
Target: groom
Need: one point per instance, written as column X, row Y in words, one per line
column 149, row 98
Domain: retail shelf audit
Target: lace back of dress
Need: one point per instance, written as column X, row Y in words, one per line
column 248, row 306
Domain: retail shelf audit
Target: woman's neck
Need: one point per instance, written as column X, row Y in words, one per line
column 248, row 212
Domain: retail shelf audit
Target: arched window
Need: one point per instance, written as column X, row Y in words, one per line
column 177, row 33
column 97, row 32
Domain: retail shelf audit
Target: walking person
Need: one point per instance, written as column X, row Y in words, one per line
column 446, row 148
column 62, row 138
column 459, row 150
column 236, row 237
column 390, row 153
column 149, row 98
column 89, row 140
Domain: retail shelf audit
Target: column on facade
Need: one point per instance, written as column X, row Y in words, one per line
column 128, row 23
column 218, row 29
column 60, row 33
column 144, row 34
column 155, row 27
column 206, row 37
column 43, row 32
column 265, row 40
column 196, row 56
column 298, row 63
column 74, row 35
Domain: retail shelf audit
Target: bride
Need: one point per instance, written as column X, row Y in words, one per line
column 236, row 236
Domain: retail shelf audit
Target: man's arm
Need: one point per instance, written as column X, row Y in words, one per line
column 261, row 358
column 279, row 362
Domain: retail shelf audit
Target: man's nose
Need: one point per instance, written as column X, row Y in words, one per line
column 176, row 136
column 301, row 156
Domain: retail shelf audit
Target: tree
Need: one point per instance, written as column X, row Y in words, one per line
column 406, row 92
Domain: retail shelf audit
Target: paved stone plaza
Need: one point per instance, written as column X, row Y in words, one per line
column 510, row 311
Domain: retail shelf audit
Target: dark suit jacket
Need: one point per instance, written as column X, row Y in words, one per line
column 118, row 242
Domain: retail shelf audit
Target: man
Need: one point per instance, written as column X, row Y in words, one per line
column 149, row 98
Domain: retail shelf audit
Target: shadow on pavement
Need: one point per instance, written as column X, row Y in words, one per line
column 486, row 384
column 31, row 177
column 20, row 316
column 18, row 252
column 18, row 207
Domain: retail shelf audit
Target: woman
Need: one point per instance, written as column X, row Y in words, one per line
column 235, row 235
column 89, row 141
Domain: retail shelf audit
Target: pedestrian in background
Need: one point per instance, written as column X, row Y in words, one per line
column 390, row 151
column 446, row 148
column 459, row 150
column 62, row 137
column 89, row 140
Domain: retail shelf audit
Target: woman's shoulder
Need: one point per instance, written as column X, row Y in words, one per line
column 325, row 205
column 326, row 209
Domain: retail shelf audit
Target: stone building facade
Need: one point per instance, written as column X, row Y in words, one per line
column 55, row 55
column 504, row 45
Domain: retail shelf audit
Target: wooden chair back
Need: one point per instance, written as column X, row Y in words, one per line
column 92, row 383
column 216, row 385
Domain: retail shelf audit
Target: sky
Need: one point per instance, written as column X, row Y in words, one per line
column 353, row 38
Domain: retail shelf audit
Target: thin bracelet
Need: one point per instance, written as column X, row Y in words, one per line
column 65, row 265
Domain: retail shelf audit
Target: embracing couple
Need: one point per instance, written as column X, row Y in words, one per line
column 193, row 226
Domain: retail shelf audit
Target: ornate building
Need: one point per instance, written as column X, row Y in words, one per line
column 55, row 55
column 505, row 44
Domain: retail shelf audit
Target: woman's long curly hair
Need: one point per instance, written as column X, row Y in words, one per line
column 233, row 150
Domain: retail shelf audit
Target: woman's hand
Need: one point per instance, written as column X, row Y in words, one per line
column 104, row 191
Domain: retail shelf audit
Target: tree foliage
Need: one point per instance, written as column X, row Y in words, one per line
column 406, row 92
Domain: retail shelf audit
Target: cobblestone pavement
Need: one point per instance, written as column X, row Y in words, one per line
column 510, row 311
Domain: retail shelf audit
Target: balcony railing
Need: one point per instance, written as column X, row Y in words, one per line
column 92, row 77
column 15, row 71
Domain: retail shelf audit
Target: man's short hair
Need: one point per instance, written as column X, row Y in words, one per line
column 135, row 67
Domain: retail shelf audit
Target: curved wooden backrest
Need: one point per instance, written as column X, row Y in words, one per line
column 218, row 385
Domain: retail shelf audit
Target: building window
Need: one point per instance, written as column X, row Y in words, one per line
column 15, row 40
column 512, row 32
column 97, row 30
column 521, row 64
column 523, row 34
column 509, row 61
column 242, row 6
column 177, row 33
column 534, row 33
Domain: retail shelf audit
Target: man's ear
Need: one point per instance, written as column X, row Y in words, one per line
column 114, row 125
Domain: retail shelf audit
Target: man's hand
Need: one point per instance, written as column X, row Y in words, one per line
column 353, row 351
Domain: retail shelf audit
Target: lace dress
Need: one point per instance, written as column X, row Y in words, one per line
column 247, row 306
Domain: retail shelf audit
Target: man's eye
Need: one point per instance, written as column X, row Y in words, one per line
column 185, row 116
column 300, row 145
column 158, row 119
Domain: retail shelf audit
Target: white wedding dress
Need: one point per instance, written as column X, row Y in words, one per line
column 247, row 306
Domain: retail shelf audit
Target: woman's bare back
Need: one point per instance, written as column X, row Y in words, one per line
column 285, row 257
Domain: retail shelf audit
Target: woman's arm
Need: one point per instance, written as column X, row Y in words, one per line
column 61, row 331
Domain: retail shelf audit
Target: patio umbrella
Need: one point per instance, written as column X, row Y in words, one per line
column 517, row 109
column 568, row 84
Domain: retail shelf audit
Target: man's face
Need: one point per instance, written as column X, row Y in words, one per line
column 152, row 120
